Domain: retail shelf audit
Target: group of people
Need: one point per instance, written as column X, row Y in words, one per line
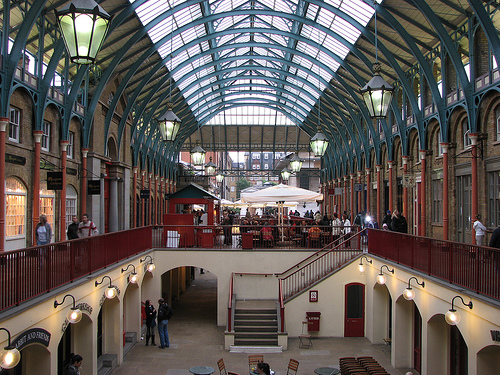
column 85, row 228
column 395, row 222
column 163, row 315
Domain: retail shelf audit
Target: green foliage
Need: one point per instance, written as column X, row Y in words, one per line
column 241, row 184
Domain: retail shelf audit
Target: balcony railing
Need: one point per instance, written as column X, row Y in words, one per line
column 473, row 267
column 29, row 272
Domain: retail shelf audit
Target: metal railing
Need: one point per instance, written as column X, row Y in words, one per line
column 323, row 264
column 473, row 267
column 29, row 272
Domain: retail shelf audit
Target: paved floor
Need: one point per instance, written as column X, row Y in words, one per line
column 196, row 340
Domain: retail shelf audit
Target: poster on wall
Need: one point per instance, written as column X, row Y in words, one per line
column 54, row 180
column 94, row 187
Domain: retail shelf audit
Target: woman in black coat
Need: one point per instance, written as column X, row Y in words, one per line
column 150, row 322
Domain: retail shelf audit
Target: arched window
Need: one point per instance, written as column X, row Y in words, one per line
column 497, row 119
column 47, row 198
column 466, row 132
column 15, row 215
column 71, row 207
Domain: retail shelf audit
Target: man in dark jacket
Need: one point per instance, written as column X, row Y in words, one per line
column 495, row 238
column 72, row 232
column 164, row 314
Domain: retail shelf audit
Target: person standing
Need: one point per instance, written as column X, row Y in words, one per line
column 72, row 231
column 480, row 230
column 150, row 322
column 347, row 229
column 43, row 231
column 164, row 314
column 86, row 228
column 75, row 364
column 336, row 227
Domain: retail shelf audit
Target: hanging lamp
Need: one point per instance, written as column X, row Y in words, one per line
column 210, row 167
column 169, row 124
column 296, row 163
column 198, row 154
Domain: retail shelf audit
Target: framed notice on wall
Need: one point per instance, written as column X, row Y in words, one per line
column 313, row 296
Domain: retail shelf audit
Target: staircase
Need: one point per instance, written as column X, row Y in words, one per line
column 106, row 364
column 256, row 326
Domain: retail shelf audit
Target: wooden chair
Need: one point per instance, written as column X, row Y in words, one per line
column 305, row 337
column 293, row 365
column 222, row 368
column 253, row 360
column 314, row 239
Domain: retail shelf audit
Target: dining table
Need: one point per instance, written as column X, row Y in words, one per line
column 202, row 370
column 327, row 371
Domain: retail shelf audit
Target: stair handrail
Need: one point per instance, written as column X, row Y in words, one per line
column 230, row 304
column 321, row 251
column 282, row 307
column 318, row 276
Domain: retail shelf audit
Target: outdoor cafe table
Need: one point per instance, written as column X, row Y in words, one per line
column 327, row 371
column 202, row 370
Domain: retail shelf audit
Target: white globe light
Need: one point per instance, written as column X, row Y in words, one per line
column 452, row 317
column 408, row 294
column 151, row 267
column 361, row 268
column 74, row 315
column 381, row 279
column 9, row 357
column 133, row 278
column 111, row 292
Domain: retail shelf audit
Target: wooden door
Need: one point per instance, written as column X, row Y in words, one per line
column 354, row 325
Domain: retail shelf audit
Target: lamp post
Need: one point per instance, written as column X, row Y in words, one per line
column 169, row 124
column 453, row 317
column 84, row 25
column 198, row 154
column 9, row 356
column 74, row 314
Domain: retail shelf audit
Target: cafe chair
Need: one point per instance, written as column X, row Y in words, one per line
column 293, row 365
column 305, row 337
column 222, row 368
column 314, row 239
column 253, row 360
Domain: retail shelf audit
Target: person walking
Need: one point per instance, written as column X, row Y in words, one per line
column 164, row 314
column 150, row 322
column 72, row 231
column 347, row 229
column 336, row 227
column 86, row 228
column 480, row 230
column 43, row 231
column 74, row 365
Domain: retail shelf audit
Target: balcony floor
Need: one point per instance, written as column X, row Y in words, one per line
column 195, row 340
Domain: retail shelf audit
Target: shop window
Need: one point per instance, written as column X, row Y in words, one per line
column 14, row 124
column 437, row 200
column 71, row 199
column 15, row 213
column 47, row 199
column 493, row 199
column 71, row 146
column 46, row 136
column 465, row 127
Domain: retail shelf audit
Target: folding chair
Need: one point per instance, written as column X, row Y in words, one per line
column 253, row 360
column 293, row 365
column 222, row 368
column 304, row 337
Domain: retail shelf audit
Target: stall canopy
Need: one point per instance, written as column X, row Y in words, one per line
column 281, row 193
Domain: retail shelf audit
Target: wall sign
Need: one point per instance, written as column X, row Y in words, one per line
column 14, row 159
column 144, row 194
column 54, row 180
column 31, row 336
column 313, row 296
column 94, row 187
column 71, row 171
column 495, row 335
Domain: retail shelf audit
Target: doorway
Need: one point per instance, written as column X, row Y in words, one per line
column 463, row 204
column 417, row 339
column 354, row 325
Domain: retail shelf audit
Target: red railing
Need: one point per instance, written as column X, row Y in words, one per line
column 230, row 305
column 29, row 272
column 473, row 267
column 282, row 306
column 322, row 265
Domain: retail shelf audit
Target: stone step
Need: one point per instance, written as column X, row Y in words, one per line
column 256, row 323
column 255, row 311
column 252, row 328
column 255, row 342
column 255, row 316
column 106, row 363
column 130, row 337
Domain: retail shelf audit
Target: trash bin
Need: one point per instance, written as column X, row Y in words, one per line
column 205, row 237
column 246, row 240
column 313, row 321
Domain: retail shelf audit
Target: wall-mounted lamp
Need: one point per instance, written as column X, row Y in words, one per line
column 9, row 356
column 408, row 293
column 381, row 277
column 151, row 266
column 453, row 317
column 133, row 276
column 361, row 266
column 111, row 291
column 74, row 314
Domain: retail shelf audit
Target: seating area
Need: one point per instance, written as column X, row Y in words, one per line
column 361, row 366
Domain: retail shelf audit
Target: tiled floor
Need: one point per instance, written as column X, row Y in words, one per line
column 196, row 340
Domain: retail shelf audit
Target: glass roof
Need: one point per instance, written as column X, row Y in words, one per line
column 253, row 53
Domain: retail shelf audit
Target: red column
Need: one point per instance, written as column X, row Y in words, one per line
column 379, row 186
column 405, row 189
column 346, row 195
column 4, row 121
column 37, row 134
column 444, row 146
column 62, row 220
column 155, row 209
column 474, row 204
column 423, row 197
column 134, row 199
column 390, row 164
column 161, row 197
column 360, row 194
column 83, row 192
column 368, row 190
column 150, row 203
column 351, row 203
column 143, row 206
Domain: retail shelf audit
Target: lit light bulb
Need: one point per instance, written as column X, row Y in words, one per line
column 74, row 315
column 381, row 279
column 151, row 267
column 9, row 358
column 408, row 294
column 111, row 292
column 133, row 278
column 452, row 317
column 361, row 268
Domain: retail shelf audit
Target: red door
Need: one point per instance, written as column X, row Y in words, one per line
column 354, row 325
column 417, row 339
